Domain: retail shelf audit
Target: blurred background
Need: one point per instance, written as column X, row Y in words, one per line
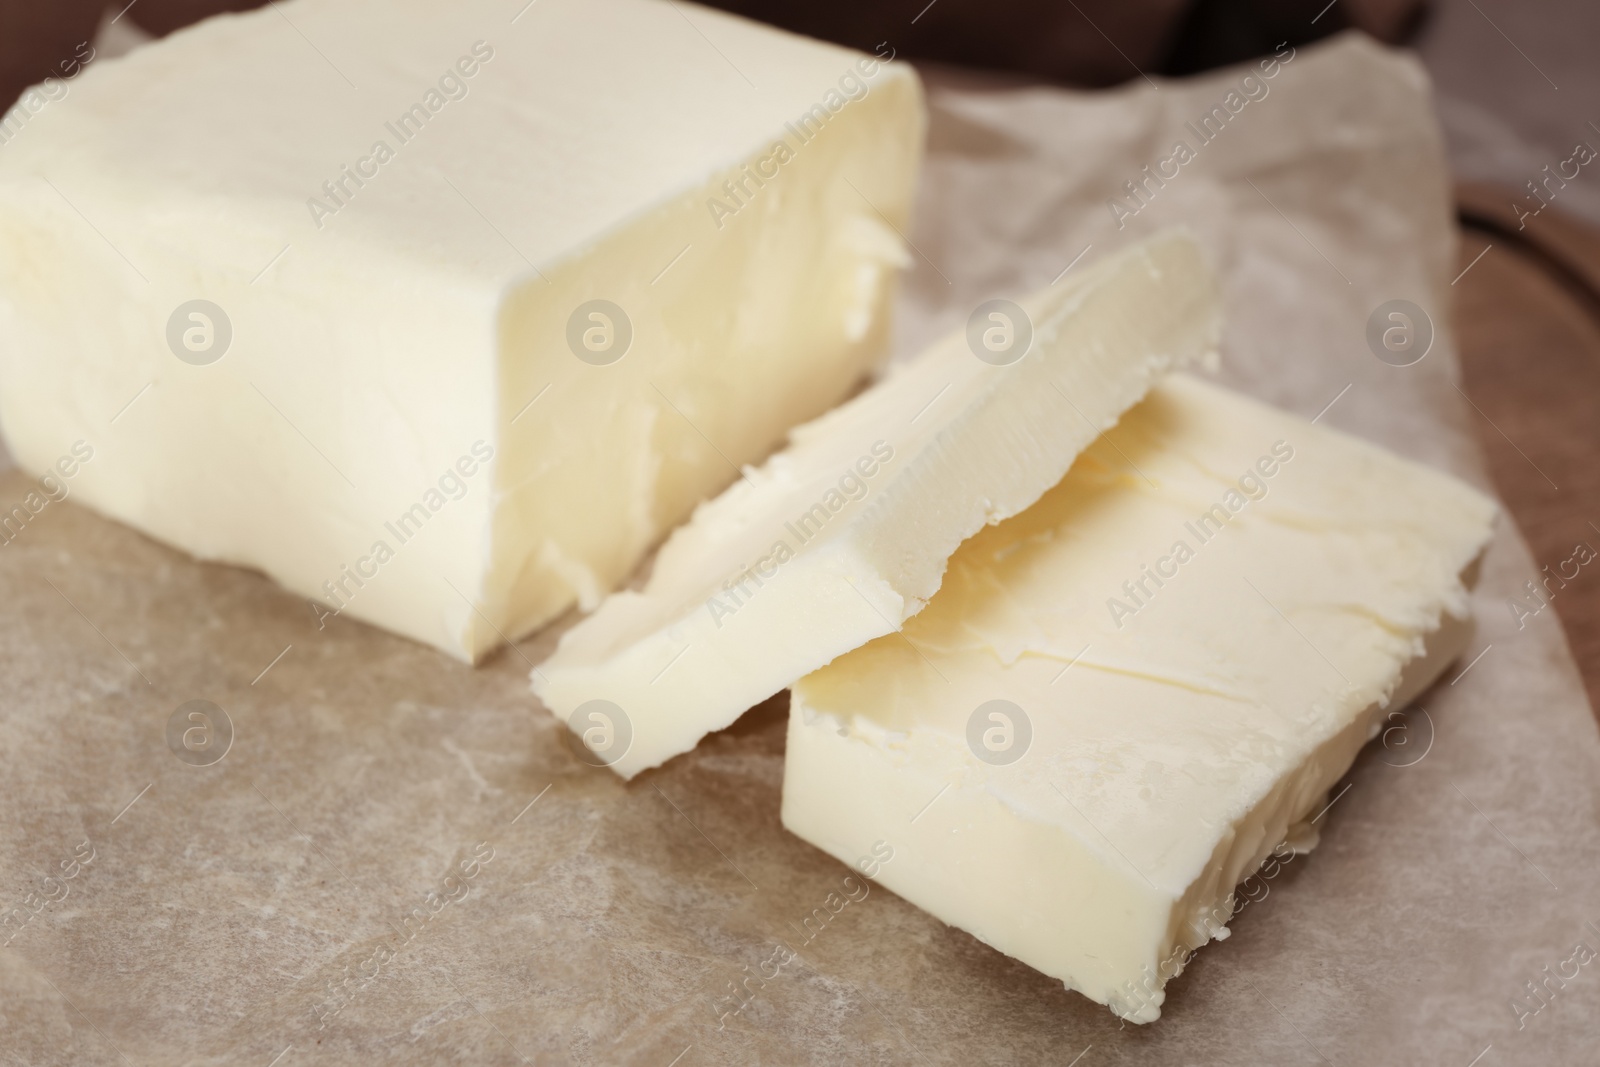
column 1517, row 91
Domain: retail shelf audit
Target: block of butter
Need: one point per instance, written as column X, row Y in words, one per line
column 443, row 314
column 1124, row 699
column 844, row 535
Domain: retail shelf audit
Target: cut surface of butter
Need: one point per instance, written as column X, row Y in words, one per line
column 845, row 534
column 443, row 314
column 1079, row 771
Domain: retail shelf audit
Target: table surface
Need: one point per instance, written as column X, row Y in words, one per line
column 1528, row 319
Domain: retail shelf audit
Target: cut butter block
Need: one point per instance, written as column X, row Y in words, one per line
column 844, row 535
column 1122, row 700
column 398, row 395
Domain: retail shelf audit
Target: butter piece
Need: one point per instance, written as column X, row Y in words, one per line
column 1172, row 730
column 844, row 535
column 398, row 399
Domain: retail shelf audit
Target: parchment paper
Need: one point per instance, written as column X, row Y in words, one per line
column 274, row 907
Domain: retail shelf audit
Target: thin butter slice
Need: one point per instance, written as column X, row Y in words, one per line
column 1125, row 698
column 844, row 535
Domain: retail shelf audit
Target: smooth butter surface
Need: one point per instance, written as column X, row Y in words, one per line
column 1160, row 737
column 401, row 211
column 845, row 534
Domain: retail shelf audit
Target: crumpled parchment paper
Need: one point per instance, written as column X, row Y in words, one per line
column 399, row 860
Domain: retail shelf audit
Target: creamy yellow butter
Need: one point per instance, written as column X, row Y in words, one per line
column 843, row 535
column 442, row 314
column 1123, row 699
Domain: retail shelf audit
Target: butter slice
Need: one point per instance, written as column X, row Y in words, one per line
column 400, row 427
column 1176, row 740
column 844, row 535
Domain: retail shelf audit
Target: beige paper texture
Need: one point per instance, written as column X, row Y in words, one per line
column 399, row 860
